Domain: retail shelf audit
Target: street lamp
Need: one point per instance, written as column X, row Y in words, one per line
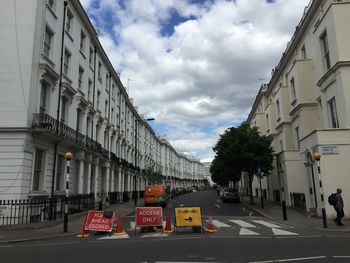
column 136, row 150
column 69, row 157
column 317, row 157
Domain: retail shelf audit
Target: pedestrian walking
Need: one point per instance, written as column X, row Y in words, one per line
column 339, row 207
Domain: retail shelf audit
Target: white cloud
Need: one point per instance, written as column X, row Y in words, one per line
column 205, row 74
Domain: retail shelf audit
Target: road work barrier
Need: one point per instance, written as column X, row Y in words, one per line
column 188, row 217
column 148, row 217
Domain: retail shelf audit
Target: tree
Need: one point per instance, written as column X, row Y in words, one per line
column 241, row 149
column 153, row 177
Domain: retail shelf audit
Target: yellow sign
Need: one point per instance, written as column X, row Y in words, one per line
column 188, row 216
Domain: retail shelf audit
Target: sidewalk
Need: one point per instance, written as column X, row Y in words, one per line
column 74, row 224
column 295, row 217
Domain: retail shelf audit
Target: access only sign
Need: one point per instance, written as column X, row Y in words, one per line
column 149, row 216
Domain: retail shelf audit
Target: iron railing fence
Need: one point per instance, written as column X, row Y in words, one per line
column 41, row 209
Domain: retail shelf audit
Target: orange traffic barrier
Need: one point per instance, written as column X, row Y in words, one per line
column 119, row 228
column 83, row 232
column 211, row 228
column 168, row 228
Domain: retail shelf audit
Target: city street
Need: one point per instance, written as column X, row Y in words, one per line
column 242, row 236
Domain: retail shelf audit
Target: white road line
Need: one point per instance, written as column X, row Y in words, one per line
column 132, row 225
column 219, row 224
column 267, row 224
column 242, row 223
column 280, row 232
column 288, row 259
column 114, row 237
column 5, row 246
column 247, row 232
column 217, row 205
column 50, row 244
column 340, row 256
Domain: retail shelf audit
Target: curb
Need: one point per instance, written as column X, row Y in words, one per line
column 258, row 211
column 34, row 238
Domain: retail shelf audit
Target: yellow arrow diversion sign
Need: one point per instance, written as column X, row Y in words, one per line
column 188, row 216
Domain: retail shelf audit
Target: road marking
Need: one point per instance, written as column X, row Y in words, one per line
column 114, row 237
column 50, row 244
column 267, row 224
column 247, row 232
column 5, row 246
column 288, row 259
column 340, row 256
column 280, row 232
column 219, row 224
column 132, row 225
column 217, row 205
column 241, row 223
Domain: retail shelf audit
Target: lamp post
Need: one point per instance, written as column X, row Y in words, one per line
column 68, row 156
column 317, row 157
column 136, row 150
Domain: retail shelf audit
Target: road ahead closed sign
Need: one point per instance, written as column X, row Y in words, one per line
column 99, row 221
column 188, row 216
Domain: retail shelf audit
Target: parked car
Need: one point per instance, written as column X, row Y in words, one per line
column 229, row 195
column 155, row 195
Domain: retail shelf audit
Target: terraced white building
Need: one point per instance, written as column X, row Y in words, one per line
column 49, row 106
column 305, row 108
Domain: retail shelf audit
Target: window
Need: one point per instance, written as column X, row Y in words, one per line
column 89, row 88
column 99, row 70
column 112, row 116
column 325, row 50
column 105, row 139
column 79, row 117
column 98, row 99
column 297, row 137
column 43, row 97
column 88, row 126
column 333, row 113
column 292, row 89
column 48, row 42
column 97, row 132
column 106, row 108
column 303, row 52
column 64, row 110
column 267, row 122
column 80, row 77
column 281, row 145
column 113, row 91
column 59, row 175
column 69, row 22
column 66, row 65
column 91, row 57
column 278, row 109
column 82, row 41
column 107, row 80
column 38, row 169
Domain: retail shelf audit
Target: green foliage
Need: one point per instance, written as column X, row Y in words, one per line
column 240, row 149
column 153, row 177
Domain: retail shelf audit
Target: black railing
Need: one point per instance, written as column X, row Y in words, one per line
column 57, row 128
column 298, row 200
column 105, row 153
column 13, row 212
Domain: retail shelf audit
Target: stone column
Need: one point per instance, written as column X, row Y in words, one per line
column 112, row 188
column 88, row 183
column 81, row 177
column 96, row 172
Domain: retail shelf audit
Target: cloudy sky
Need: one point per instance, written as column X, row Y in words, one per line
column 194, row 65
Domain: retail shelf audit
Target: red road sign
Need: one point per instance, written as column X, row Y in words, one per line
column 95, row 221
column 149, row 216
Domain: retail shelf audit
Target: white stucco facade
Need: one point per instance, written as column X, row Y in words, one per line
column 305, row 109
column 89, row 114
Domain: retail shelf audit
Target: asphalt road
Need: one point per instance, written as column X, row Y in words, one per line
column 242, row 236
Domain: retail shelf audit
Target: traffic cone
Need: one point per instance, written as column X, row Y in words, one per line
column 168, row 228
column 119, row 228
column 211, row 228
column 83, row 232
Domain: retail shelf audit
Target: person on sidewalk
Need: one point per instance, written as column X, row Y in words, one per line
column 339, row 208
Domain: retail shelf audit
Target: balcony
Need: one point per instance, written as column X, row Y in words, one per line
column 45, row 122
column 42, row 121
